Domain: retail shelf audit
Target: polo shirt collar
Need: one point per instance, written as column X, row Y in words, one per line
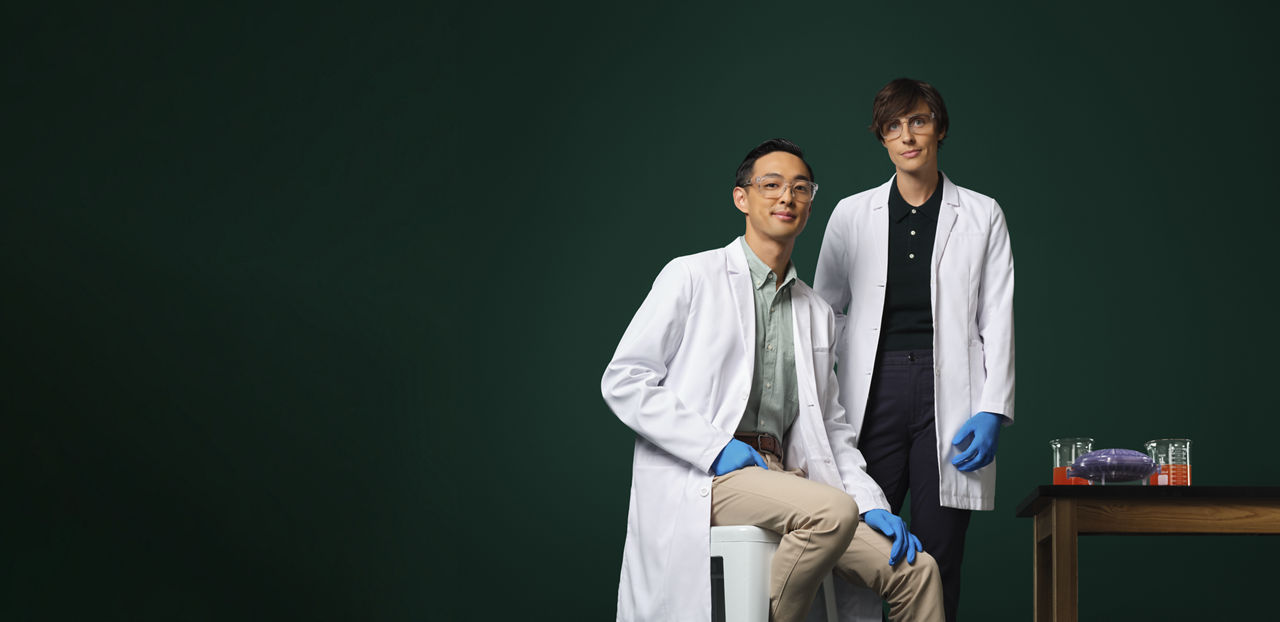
column 899, row 208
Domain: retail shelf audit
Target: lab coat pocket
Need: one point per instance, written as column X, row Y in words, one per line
column 823, row 360
column 963, row 250
column 822, row 469
column 661, row 497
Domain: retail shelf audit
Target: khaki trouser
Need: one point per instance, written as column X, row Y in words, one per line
column 820, row 531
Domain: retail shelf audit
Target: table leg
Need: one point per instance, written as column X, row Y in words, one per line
column 1056, row 563
column 1042, row 566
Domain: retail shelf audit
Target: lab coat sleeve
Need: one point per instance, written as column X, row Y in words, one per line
column 831, row 280
column 995, row 320
column 634, row 383
column 844, row 442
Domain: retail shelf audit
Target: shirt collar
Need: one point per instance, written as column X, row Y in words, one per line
column 760, row 272
column 899, row 208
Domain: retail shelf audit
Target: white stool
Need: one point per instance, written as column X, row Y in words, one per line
column 747, row 552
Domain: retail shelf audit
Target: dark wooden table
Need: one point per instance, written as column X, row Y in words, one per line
column 1063, row 513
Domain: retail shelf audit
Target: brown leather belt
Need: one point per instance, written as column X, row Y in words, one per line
column 762, row 442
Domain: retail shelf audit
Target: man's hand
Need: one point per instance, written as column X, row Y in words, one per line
column 894, row 527
column 736, row 455
column 984, row 427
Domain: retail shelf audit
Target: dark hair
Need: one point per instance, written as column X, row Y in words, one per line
column 897, row 98
column 764, row 148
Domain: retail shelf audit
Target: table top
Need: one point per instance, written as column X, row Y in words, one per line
column 1041, row 495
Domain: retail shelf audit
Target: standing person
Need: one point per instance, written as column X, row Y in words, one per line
column 725, row 374
column 919, row 272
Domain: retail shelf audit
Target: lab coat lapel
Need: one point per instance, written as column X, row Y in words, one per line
column 879, row 242
column 802, row 337
column 946, row 220
column 806, row 428
column 740, row 283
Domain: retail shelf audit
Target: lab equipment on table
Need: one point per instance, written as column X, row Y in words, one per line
column 1173, row 457
column 1065, row 451
column 1112, row 465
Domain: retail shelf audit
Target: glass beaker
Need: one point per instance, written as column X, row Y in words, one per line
column 1173, row 456
column 1065, row 451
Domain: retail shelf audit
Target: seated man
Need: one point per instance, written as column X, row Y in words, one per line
column 725, row 374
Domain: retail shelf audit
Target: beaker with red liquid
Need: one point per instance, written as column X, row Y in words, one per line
column 1173, row 456
column 1065, row 451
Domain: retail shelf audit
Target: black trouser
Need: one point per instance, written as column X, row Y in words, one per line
column 899, row 441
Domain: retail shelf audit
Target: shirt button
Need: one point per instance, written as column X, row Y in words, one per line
column 768, row 385
column 703, row 491
column 913, row 233
column 770, row 346
column 913, row 211
column 911, row 255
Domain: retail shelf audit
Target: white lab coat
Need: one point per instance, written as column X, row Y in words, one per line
column 971, row 288
column 680, row 379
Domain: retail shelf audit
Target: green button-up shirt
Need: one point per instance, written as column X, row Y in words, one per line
column 772, row 404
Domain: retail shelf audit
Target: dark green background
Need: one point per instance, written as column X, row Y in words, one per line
column 307, row 306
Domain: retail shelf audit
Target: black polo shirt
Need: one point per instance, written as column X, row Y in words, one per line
column 908, row 313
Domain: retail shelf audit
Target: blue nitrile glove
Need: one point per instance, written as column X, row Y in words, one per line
column 984, row 427
column 736, row 455
column 891, row 525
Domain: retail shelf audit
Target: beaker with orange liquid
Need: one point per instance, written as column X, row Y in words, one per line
column 1173, row 456
column 1065, row 451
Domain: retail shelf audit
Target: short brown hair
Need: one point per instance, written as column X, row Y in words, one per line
column 899, row 97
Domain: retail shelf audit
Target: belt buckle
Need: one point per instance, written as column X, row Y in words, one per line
column 775, row 446
column 760, row 441
column 757, row 442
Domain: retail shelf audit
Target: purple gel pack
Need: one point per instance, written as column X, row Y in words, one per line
column 1112, row 465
